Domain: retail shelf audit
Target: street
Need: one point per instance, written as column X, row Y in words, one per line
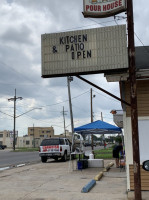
column 8, row 158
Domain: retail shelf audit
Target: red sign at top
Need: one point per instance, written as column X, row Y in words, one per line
column 103, row 8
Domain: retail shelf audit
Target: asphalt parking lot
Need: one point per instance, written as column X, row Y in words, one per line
column 60, row 181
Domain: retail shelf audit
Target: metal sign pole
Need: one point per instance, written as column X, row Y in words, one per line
column 70, row 106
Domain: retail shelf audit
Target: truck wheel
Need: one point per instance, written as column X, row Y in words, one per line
column 43, row 159
column 64, row 157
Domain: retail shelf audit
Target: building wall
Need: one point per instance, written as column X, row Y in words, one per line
column 24, row 141
column 41, row 132
column 1, row 137
column 6, row 137
column 128, row 145
column 9, row 142
column 142, row 98
column 143, row 126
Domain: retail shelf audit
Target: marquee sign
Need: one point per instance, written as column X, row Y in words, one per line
column 103, row 8
column 84, row 51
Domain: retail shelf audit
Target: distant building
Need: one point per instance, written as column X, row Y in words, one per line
column 25, row 141
column 41, row 132
column 6, row 137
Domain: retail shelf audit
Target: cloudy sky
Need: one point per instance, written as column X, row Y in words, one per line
column 21, row 25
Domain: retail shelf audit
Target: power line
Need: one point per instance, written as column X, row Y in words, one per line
column 105, row 96
column 141, row 42
column 55, row 103
column 27, row 116
column 22, row 75
column 6, row 114
column 64, row 100
column 84, row 26
column 135, row 35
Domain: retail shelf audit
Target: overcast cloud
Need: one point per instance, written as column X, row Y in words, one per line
column 21, row 26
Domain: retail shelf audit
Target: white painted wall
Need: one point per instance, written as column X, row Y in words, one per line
column 144, row 139
column 143, row 125
column 128, row 145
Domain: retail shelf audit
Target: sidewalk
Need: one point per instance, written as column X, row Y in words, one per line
column 57, row 181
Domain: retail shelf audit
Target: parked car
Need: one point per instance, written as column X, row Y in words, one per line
column 2, row 146
column 86, row 144
column 55, row 148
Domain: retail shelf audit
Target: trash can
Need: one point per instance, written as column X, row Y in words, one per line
column 84, row 163
column 80, row 165
column 91, row 156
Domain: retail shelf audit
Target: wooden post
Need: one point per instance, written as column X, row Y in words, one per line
column 133, row 97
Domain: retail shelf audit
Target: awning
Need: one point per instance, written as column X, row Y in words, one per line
column 98, row 127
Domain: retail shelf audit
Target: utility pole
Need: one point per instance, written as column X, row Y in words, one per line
column 91, row 105
column 101, row 117
column 14, row 130
column 69, row 79
column 103, row 136
column 64, row 113
column 92, row 96
column 133, row 97
column 92, row 117
column 33, row 137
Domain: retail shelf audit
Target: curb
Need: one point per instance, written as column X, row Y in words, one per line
column 13, row 166
column 108, row 167
column 92, row 183
column 17, row 165
column 89, row 186
column 98, row 176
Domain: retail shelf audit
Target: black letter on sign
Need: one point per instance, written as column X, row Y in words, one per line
column 78, row 54
column 73, row 56
column 54, row 49
column 67, row 47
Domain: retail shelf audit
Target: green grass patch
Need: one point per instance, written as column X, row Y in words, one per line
column 103, row 156
column 109, row 150
column 25, row 149
column 104, row 153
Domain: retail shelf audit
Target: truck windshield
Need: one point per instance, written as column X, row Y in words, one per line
column 53, row 141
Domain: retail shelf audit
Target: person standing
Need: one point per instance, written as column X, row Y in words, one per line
column 116, row 151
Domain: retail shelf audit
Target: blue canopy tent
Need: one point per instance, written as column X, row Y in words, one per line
column 98, row 127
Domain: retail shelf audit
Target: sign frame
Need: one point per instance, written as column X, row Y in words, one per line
column 105, row 14
column 99, row 50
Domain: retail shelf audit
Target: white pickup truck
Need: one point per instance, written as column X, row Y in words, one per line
column 55, row 148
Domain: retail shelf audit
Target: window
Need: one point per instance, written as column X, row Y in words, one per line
column 1, row 135
column 42, row 131
column 31, row 129
column 41, row 135
column 67, row 142
column 62, row 141
column 27, row 142
column 48, row 131
column 52, row 141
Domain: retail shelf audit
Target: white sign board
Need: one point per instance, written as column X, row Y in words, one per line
column 84, row 52
column 103, row 8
